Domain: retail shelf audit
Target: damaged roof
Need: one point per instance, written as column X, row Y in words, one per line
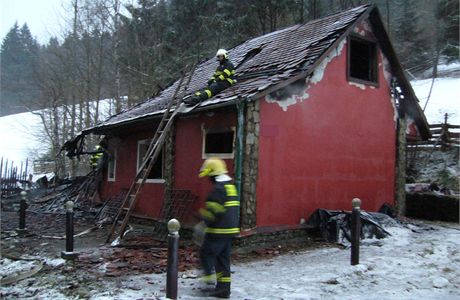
column 272, row 61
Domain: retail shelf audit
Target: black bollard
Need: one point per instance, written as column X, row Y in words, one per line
column 68, row 253
column 172, row 268
column 355, row 230
column 22, row 213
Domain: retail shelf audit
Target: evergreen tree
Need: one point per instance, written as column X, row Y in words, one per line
column 411, row 45
column 447, row 15
column 19, row 52
column 11, row 68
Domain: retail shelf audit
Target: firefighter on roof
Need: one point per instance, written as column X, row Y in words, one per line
column 221, row 215
column 220, row 80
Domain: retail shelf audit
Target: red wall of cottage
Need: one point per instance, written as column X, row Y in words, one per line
column 188, row 160
column 151, row 195
column 189, row 144
column 335, row 145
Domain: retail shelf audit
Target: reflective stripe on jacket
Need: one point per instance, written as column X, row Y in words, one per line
column 224, row 72
column 221, row 212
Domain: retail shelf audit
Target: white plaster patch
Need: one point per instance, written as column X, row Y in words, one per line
column 318, row 73
column 386, row 68
column 358, row 85
column 388, row 75
column 285, row 103
column 316, row 77
column 364, row 26
column 395, row 111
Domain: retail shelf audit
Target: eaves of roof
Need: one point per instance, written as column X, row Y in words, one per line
column 273, row 61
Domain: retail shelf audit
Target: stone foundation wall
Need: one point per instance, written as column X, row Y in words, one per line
column 169, row 154
column 250, row 165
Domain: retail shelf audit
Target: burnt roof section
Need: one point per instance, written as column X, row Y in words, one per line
column 266, row 63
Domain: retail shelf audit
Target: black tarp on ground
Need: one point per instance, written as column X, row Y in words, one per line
column 335, row 225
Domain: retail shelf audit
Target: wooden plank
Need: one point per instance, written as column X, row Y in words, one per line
column 442, row 125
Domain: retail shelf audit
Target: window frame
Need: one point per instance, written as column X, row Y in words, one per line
column 138, row 162
column 112, row 159
column 205, row 132
column 374, row 66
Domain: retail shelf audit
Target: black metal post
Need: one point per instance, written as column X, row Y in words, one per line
column 355, row 230
column 68, row 253
column 22, row 213
column 69, row 232
column 172, row 267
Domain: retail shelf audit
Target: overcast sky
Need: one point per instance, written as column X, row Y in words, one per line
column 42, row 16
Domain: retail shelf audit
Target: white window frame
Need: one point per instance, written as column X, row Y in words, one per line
column 138, row 162
column 112, row 160
column 205, row 155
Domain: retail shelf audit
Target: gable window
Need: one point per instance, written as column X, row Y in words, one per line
column 111, row 166
column 362, row 61
column 156, row 173
column 219, row 143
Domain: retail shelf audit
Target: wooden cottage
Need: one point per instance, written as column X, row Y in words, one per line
column 318, row 116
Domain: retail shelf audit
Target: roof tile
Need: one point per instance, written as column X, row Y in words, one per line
column 272, row 58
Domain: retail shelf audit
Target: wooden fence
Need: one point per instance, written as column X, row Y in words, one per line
column 12, row 177
column 444, row 137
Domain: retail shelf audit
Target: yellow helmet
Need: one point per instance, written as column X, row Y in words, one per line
column 213, row 167
column 222, row 52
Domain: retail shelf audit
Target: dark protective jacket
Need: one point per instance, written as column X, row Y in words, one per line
column 224, row 73
column 96, row 156
column 220, row 80
column 221, row 212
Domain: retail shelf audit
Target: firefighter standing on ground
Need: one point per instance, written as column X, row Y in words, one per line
column 221, row 215
column 220, row 80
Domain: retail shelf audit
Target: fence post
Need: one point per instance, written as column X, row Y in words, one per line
column 69, row 253
column 355, row 230
column 22, row 213
column 172, row 268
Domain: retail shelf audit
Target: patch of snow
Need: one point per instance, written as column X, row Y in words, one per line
column 48, row 176
column 18, row 134
column 10, row 267
column 445, row 98
column 417, row 261
column 56, row 262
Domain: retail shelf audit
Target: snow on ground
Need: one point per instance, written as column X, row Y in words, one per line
column 416, row 262
column 18, row 136
column 419, row 261
column 445, row 98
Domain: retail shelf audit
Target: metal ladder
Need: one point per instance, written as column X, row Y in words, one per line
column 154, row 149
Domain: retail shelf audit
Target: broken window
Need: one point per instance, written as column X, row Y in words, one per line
column 362, row 60
column 111, row 166
column 156, row 173
column 219, row 143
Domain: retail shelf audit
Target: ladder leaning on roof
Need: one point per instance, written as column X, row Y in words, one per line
column 156, row 144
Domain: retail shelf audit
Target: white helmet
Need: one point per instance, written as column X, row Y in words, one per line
column 222, row 52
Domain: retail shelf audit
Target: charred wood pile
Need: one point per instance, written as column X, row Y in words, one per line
column 83, row 191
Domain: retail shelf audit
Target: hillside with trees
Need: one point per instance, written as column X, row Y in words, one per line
column 127, row 53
